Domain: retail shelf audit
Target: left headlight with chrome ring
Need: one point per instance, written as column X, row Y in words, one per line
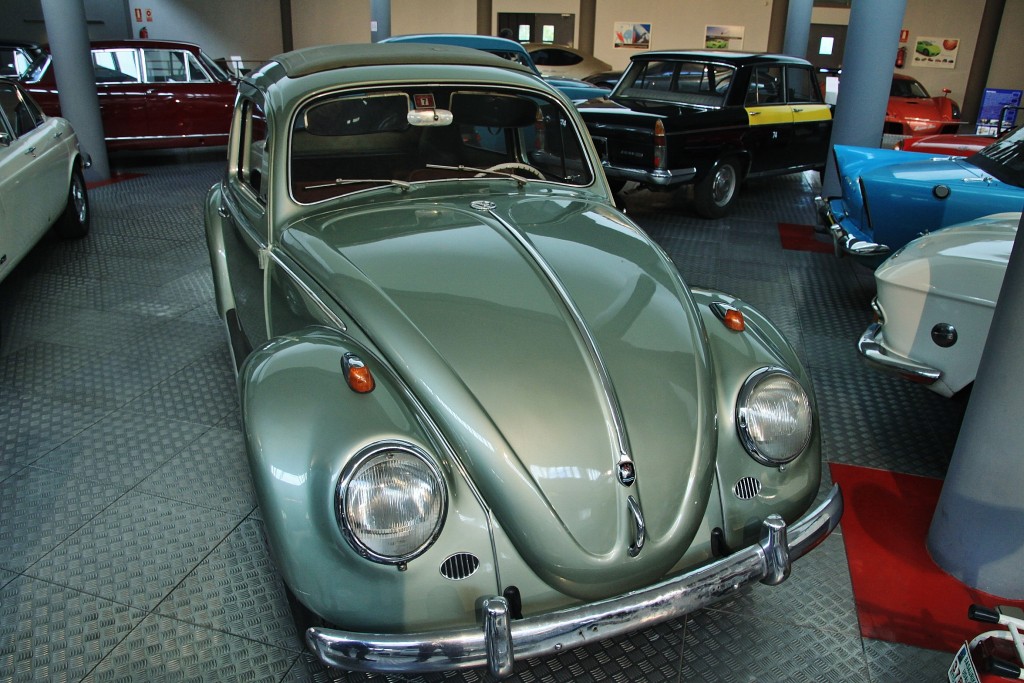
column 774, row 416
column 391, row 502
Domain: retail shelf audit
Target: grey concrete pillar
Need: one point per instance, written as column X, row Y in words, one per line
column 977, row 532
column 588, row 26
column 871, row 42
column 484, row 9
column 380, row 20
column 777, row 26
column 798, row 27
column 68, row 35
column 287, row 37
column 977, row 78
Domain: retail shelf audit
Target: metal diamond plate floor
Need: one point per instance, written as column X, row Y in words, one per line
column 130, row 544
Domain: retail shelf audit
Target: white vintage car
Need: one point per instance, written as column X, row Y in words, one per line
column 935, row 301
column 41, row 181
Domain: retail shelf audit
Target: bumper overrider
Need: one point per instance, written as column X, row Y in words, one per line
column 845, row 242
column 500, row 640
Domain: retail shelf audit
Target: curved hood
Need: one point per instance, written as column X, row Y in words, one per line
column 530, row 328
column 966, row 261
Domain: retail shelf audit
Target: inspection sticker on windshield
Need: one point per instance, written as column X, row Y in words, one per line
column 424, row 101
column 962, row 669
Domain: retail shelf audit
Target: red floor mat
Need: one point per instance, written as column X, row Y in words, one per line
column 798, row 237
column 902, row 596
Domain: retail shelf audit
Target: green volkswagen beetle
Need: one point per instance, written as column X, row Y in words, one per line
column 486, row 419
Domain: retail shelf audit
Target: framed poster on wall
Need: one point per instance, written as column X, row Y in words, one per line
column 723, row 37
column 939, row 53
column 632, row 35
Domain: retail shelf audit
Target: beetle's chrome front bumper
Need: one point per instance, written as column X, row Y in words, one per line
column 872, row 351
column 846, row 243
column 500, row 640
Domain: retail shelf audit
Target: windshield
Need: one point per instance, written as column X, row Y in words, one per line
column 348, row 142
column 1003, row 159
column 907, row 87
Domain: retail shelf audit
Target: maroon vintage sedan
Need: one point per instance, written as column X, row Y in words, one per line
column 152, row 93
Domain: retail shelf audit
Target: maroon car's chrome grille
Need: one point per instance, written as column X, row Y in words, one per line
column 459, row 566
column 747, row 488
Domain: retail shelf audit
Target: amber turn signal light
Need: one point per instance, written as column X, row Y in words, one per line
column 358, row 376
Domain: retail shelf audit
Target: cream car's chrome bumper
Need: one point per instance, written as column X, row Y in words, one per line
column 871, row 350
column 501, row 639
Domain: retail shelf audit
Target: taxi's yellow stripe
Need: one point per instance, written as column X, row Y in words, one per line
column 771, row 115
column 811, row 112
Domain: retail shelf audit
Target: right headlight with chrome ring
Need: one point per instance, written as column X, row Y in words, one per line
column 391, row 502
column 774, row 416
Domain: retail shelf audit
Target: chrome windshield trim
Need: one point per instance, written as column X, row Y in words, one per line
column 492, row 645
column 871, row 350
column 334, row 319
column 608, row 389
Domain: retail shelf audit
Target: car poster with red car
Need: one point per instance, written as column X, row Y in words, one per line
column 939, row 53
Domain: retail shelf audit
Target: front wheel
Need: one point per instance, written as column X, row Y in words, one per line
column 74, row 222
column 713, row 196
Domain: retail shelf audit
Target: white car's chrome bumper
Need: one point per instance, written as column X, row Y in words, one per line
column 872, row 350
column 501, row 639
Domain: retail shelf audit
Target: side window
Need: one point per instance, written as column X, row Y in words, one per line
column 196, row 72
column 251, row 156
column 116, row 66
column 801, row 85
column 165, row 66
column 765, row 86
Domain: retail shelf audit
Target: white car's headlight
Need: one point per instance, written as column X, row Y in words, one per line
column 774, row 416
column 391, row 502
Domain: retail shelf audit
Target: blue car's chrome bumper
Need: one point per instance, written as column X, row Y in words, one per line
column 500, row 640
column 846, row 242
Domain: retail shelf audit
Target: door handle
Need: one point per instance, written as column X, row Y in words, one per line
column 31, row 151
column 58, row 134
column 797, row 110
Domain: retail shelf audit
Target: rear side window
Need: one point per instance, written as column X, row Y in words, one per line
column 765, row 86
column 251, row 156
column 22, row 114
column 173, row 66
column 116, row 66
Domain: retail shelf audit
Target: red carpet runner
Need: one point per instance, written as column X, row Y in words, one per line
column 902, row 596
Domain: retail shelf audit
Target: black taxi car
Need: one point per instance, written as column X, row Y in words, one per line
column 710, row 118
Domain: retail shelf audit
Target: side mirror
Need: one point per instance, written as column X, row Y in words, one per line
column 5, row 139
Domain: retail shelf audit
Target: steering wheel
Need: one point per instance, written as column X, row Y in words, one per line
column 515, row 166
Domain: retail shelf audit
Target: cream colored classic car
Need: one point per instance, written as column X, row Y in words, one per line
column 41, row 181
column 935, row 301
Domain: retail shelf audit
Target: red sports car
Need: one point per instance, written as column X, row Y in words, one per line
column 912, row 111
column 152, row 93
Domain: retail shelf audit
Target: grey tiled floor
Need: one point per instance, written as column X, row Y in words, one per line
column 130, row 544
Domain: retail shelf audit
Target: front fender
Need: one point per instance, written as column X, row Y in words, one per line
column 303, row 424
column 788, row 490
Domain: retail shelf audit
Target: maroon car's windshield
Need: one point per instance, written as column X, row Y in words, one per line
column 1003, row 159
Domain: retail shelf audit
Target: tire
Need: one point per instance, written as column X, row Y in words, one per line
column 74, row 222
column 713, row 196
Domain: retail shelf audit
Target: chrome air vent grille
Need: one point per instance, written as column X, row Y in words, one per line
column 747, row 488
column 459, row 566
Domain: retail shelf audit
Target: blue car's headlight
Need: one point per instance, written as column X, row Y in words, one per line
column 774, row 416
column 391, row 502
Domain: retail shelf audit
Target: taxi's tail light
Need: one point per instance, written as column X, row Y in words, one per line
column 660, row 146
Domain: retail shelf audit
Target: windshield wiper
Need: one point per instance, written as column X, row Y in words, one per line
column 338, row 182
column 472, row 169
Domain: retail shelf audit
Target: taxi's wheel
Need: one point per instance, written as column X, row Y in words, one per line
column 713, row 196
column 74, row 222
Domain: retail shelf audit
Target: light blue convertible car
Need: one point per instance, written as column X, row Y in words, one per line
column 890, row 197
column 575, row 90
